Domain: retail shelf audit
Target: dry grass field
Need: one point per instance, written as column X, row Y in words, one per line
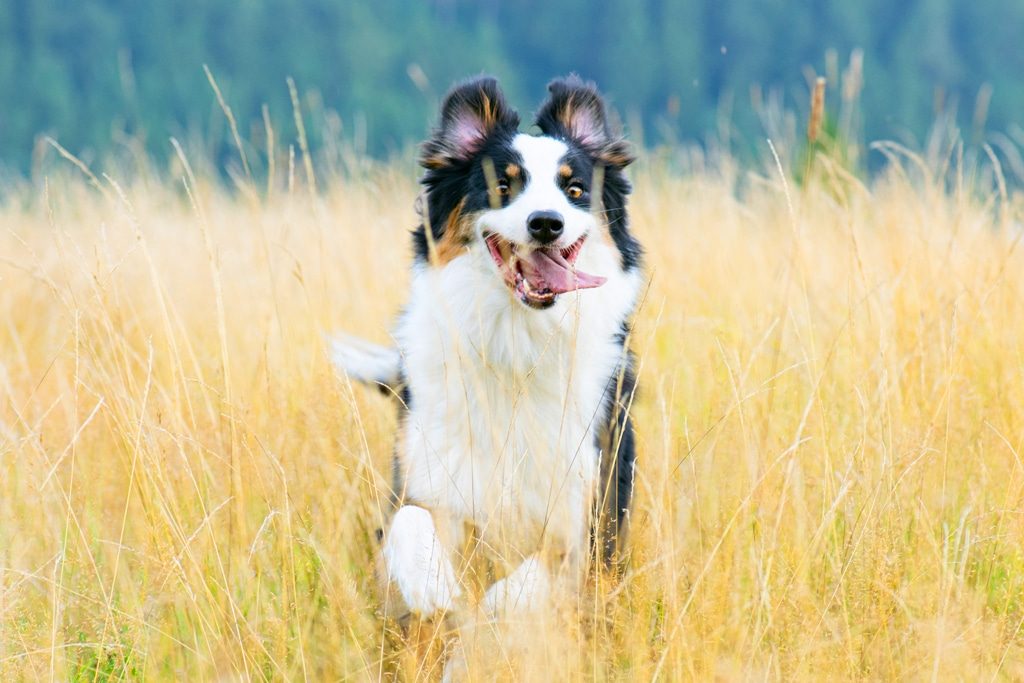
column 831, row 434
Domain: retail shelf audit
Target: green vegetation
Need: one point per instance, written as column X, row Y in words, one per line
column 95, row 74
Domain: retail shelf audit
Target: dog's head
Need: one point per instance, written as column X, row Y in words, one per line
column 527, row 204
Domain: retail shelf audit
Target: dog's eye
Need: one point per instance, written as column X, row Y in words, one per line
column 575, row 191
column 502, row 188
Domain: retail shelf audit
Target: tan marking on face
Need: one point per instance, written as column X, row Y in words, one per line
column 458, row 231
column 513, row 171
column 565, row 170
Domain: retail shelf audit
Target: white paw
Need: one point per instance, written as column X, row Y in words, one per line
column 417, row 564
column 527, row 588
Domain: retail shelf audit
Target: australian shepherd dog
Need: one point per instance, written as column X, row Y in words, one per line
column 510, row 361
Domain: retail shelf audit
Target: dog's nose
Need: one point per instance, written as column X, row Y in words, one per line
column 545, row 226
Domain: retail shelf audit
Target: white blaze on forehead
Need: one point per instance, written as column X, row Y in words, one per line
column 541, row 157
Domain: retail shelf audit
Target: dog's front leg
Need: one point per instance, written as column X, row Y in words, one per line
column 417, row 563
column 526, row 588
column 560, row 561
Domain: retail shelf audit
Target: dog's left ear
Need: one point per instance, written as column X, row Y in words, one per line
column 576, row 111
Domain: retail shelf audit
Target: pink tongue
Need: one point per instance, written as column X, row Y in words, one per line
column 545, row 269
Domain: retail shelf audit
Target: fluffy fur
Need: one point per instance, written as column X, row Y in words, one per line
column 514, row 374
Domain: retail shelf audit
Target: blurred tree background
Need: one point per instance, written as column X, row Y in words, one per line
column 96, row 73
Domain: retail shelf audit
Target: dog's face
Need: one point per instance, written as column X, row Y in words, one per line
column 528, row 204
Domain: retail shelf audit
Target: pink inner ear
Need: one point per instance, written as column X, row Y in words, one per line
column 466, row 134
column 586, row 128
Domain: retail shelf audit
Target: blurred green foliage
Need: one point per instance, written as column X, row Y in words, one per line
column 96, row 73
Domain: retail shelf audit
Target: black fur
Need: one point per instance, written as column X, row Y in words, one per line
column 616, row 442
column 397, row 480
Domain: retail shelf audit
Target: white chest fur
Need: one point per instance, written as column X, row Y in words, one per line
column 505, row 400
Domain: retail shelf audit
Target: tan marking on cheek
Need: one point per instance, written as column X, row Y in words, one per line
column 458, row 233
column 565, row 170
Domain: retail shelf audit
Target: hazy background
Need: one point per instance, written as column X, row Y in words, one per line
column 96, row 73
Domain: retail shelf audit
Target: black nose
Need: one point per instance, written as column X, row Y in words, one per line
column 545, row 226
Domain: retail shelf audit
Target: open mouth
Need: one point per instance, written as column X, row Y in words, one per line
column 538, row 276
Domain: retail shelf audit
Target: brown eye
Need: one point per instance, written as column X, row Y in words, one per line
column 502, row 188
column 574, row 191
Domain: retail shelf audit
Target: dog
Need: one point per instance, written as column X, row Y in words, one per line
column 511, row 362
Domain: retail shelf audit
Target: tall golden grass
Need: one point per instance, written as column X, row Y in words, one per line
column 831, row 427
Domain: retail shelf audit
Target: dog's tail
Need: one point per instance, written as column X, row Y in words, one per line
column 368, row 362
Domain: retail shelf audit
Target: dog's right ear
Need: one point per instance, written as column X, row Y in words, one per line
column 471, row 113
